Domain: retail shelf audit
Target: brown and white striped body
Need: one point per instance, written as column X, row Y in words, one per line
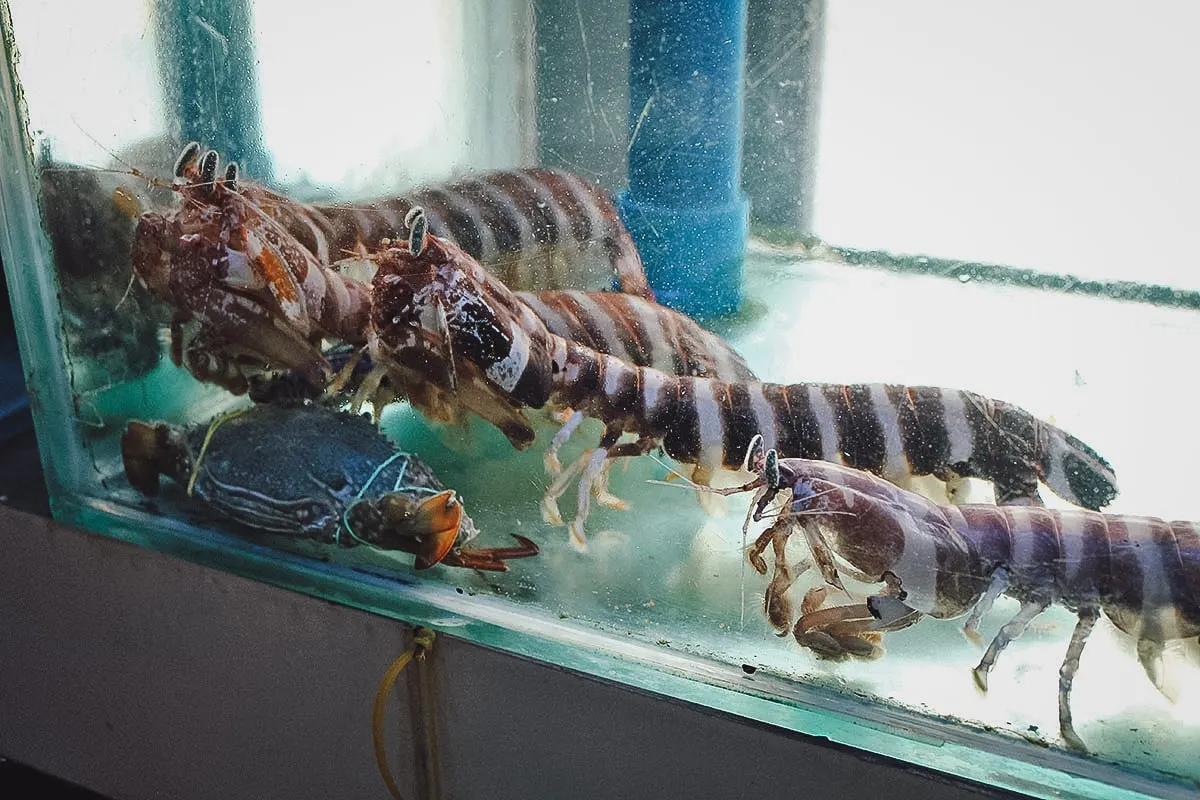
column 538, row 229
column 946, row 561
column 1144, row 572
column 639, row 332
column 516, row 363
column 534, row 228
column 237, row 242
column 893, row 431
column 259, row 298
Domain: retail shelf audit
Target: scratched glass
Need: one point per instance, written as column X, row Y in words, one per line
column 927, row 209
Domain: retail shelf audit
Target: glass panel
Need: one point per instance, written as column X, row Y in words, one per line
column 77, row 78
column 1053, row 136
column 245, row 327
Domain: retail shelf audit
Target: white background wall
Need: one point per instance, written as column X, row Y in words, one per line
column 1053, row 134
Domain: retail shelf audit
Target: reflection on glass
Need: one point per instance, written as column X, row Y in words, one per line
column 780, row 503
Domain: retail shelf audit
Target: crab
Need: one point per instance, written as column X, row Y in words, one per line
column 315, row 473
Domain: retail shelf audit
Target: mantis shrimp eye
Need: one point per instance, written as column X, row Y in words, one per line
column 186, row 158
column 418, row 227
column 771, row 469
column 411, row 216
column 208, row 168
column 231, row 176
column 754, row 453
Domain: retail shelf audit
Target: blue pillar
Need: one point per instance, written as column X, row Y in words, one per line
column 210, row 76
column 684, row 206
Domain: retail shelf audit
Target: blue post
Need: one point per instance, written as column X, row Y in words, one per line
column 684, row 206
column 210, row 73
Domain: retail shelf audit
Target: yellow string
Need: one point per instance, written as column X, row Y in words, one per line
column 212, row 428
column 422, row 641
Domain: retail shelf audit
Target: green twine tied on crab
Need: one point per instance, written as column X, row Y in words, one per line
column 314, row 473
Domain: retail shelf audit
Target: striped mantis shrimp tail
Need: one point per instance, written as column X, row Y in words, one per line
column 1074, row 470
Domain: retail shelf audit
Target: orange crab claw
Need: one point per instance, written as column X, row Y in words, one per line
column 437, row 520
column 491, row 558
column 139, row 453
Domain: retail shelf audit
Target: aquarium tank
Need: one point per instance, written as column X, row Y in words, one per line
column 824, row 363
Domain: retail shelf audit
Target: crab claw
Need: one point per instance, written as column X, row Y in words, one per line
column 839, row 632
column 151, row 449
column 139, row 451
column 436, row 520
column 394, row 521
column 490, row 558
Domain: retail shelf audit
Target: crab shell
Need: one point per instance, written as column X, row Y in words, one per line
column 299, row 471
